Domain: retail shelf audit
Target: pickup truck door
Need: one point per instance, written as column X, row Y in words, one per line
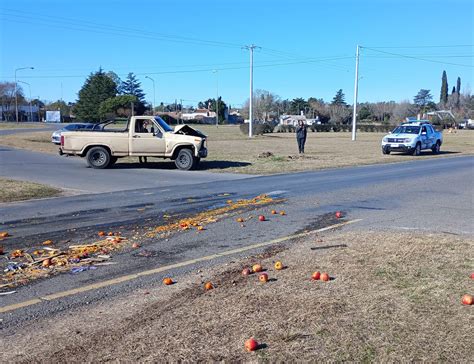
column 431, row 136
column 147, row 141
column 424, row 138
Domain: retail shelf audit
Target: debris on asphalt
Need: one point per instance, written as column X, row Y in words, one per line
column 82, row 268
column 7, row 293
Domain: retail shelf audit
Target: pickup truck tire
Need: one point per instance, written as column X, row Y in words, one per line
column 185, row 160
column 417, row 149
column 98, row 158
column 385, row 150
column 436, row 148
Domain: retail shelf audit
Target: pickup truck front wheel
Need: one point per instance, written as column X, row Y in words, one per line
column 185, row 160
column 436, row 148
column 98, row 157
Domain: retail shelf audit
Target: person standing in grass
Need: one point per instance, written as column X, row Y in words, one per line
column 301, row 132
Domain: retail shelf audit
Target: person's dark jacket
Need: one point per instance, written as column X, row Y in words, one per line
column 301, row 132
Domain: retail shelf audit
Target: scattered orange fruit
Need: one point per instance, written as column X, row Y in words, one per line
column 316, row 276
column 325, row 277
column 208, row 286
column 135, row 245
column 263, row 277
column 17, row 253
column 251, row 344
column 200, row 228
column 110, row 233
column 229, row 201
column 467, row 299
column 338, row 214
column 240, row 219
column 261, row 218
column 274, row 212
column 246, row 272
column 278, row 265
column 257, row 268
column 47, row 242
column 101, row 233
column 4, row 234
column 282, row 213
column 46, row 263
column 168, row 281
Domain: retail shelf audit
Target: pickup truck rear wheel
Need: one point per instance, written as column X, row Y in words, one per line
column 98, row 157
column 417, row 149
column 185, row 160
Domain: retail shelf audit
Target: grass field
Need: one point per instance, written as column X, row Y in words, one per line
column 14, row 125
column 230, row 151
column 394, row 297
column 11, row 190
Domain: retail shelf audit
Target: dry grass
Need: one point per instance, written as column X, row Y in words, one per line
column 230, row 151
column 11, row 190
column 395, row 297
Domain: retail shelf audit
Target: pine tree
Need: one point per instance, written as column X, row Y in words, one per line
column 443, row 98
column 453, row 91
column 339, row 99
column 131, row 86
column 97, row 88
column 458, row 86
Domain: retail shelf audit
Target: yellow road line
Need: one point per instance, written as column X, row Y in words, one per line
column 130, row 277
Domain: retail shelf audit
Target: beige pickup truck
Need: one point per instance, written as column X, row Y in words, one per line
column 142, row 136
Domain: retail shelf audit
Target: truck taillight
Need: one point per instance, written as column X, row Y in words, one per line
column 62, row 141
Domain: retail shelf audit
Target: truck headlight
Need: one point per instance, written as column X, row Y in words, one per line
column 385, row 139
column 407, row 140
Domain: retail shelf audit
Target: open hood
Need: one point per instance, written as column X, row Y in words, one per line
column 187, row 130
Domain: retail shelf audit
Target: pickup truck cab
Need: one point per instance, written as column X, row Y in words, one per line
column 413, row 137
column 142, row 136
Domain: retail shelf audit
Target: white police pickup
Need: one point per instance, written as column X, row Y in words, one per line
column 413, row 137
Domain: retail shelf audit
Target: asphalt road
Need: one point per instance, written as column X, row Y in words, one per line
column 71, row 173
column 44, row 127
column 425, row 195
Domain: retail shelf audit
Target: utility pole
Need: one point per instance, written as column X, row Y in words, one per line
column 39, row 113
column 217, row 97
column 356, row 87
column 154, row 104
column 251, row 48
column 29, row 87
column 16, row 95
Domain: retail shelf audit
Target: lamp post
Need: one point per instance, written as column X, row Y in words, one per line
column 153, row 106
column 16, row 96
column 217, row 97
column 29, row 88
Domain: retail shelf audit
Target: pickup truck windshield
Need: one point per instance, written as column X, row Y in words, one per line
column 406, row 130
column 163, row 124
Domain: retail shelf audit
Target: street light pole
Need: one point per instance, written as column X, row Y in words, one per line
column 29, row 87
column 356, row 87
column 16, row 96
column 251, row 48
column 153, row 106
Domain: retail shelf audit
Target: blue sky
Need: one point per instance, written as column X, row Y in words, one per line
column 307, row 47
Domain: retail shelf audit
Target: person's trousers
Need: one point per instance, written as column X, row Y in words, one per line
column 301, row 142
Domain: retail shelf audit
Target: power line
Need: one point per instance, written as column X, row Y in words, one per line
column 417, row 58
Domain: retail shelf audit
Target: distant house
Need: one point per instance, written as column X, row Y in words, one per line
column 25, row 113
column 291, row 119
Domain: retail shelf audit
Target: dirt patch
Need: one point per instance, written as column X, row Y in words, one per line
column 11, row 190
column 394, row 297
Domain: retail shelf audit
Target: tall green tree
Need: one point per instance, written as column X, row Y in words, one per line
column 131, row 86
column 210, row 104
column 339, row 98
column 297, row 105
column 424, row 100
column 97, row 88
column 458, row 85
column 443, row 97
